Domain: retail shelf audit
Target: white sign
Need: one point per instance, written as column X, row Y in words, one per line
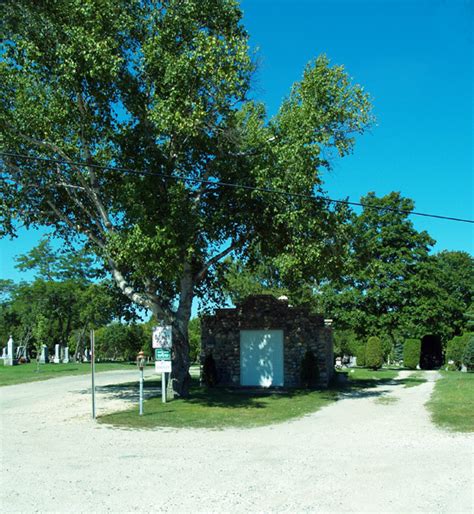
column 162, row 366
column 161, row 337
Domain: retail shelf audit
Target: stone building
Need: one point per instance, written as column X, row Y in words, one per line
column 262, row 342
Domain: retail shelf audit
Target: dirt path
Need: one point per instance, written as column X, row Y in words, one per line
column 356, row 455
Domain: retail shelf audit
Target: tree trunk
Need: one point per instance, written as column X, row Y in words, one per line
column 180, row 379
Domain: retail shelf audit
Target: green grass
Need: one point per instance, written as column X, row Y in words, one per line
column 370, row 378
column 414, row 380
column 452, row 401
column 386, row 400
column 220, row 408
column 10, row 375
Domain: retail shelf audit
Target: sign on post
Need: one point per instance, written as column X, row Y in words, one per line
column 162, row 342
column 162, row 366
column 161, row 337
column 162, row 354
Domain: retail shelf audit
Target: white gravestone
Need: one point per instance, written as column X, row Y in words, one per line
column 10, row 358
column 66, row 355
column 85, row 358
column 44, row 357
column 57, row 354
column 4, row 353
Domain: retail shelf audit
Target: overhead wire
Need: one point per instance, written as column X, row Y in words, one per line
column 266, row 190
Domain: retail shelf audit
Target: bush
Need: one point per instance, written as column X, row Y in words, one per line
column 360, row 355
column 209, row 371
column 374, row 353
column 309, row 370
column 468, row 357
column 455, row 349
column 411, row 353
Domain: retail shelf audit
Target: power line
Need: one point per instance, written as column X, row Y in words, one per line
column 229, row 185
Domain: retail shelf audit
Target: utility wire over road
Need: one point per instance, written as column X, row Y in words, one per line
column 226, row 184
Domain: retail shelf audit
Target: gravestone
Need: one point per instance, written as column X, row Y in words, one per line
column 4, row 353
column 44, row 357
column 10, row 358
column 66, row 355
column 86, row 354
column 57, row 354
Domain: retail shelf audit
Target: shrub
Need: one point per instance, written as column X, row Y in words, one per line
column 411, row 353
column 209, row 371
column 309, row 370
column 374, row 353
column 360, row 355
column 455, row 349
column 468, row 357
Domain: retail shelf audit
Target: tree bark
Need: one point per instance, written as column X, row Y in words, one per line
column 180, row 379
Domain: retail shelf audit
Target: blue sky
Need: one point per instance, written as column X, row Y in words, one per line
column 415, row 58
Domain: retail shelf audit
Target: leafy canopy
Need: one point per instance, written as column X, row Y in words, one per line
column 163, row 88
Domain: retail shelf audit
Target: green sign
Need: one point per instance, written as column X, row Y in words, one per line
column 162, row 355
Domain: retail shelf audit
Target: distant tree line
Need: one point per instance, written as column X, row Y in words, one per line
column 67, row 298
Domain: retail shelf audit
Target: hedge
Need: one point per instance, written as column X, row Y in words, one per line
column 455, row 349
column 411, row 353
column 360, row 355
column 374, row 353
column 468, row 357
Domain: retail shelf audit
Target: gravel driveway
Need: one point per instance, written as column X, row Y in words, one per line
column 356, row 455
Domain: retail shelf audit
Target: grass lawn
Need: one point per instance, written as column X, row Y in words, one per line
column 10, row 375
column 414, row 379
column 452, row 401
column 220, row 407
column 370, row 378
column 386, row 400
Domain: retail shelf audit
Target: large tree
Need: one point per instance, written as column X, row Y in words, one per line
column 162, row 87
column 392, row 286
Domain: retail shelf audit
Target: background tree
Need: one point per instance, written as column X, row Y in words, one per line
column 374, row 353
column 468, row 357
column 385, row 250
column 455, row 349
column 194, row 339
column 162, row 88
column 411, row 353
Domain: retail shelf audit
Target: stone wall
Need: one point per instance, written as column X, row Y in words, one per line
column 220, row 335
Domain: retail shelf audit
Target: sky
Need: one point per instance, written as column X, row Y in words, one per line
column 415, row 59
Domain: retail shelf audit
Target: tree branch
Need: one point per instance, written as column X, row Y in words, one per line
column 213, row 260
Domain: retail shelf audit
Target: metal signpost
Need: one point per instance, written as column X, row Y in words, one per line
column 161, row 342
column 93, row 371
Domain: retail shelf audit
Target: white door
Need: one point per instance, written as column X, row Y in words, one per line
column 261, row 358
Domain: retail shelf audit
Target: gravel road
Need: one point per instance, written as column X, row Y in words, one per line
column 356, row 455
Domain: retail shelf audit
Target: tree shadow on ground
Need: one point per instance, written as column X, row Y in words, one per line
column 128, row 391
column 253, row 398
column 347, row 387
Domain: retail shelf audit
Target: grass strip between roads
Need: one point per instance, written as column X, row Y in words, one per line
column 10, row 375
column 225, row 407
column 221, row 407
column 452, row 401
